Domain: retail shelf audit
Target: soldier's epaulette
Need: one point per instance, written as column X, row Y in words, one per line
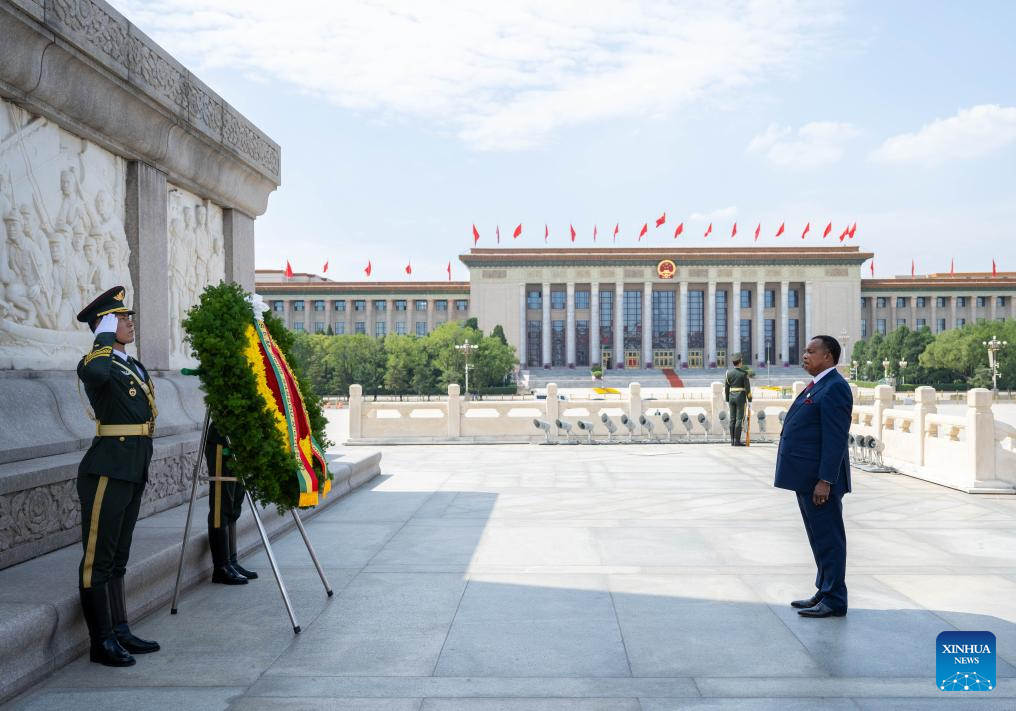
column 98, row 352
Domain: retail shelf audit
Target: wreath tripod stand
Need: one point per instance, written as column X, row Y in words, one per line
column 261, row 530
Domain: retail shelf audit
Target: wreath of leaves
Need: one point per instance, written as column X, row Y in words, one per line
column 216, row 328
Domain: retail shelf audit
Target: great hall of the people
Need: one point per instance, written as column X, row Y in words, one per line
column 649, row 307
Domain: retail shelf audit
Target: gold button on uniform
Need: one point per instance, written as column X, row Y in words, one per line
column 132, row 392
column 121, row 439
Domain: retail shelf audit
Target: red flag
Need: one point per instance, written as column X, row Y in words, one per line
column 911, row 268
column 844, row 233
column 642, row 232
column 780, row 231
column 873, row 266
column 952, row 267
column 594, row 233
column 661, row 219
column 828, row 229
column 616, row 228
column 368, row 270
column 409, row 267
column 546, row 233
column 708, row 230
column 994, row 269
column 288, row 273
column 497, row 231
column 757, row 230
column 733, row 232
column 476, row 235
column 518, row 231
column 853, row 229
column 806, row 228
column 572, row 232
column 449, row 271
column 325, row 268
column 679, row 230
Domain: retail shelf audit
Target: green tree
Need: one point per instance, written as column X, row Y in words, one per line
column 403, row 356
column 498, row 333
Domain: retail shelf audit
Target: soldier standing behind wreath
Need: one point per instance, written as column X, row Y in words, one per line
column 737, row 393
column 112, row 476
column 225, row 501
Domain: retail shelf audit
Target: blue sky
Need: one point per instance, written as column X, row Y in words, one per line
column 402, row 124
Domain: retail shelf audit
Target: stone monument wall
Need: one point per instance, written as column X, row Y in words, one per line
column 117, row 166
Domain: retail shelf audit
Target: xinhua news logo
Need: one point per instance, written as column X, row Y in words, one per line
column 965, row 661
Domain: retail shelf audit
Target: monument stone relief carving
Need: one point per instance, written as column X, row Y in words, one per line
column 62, row 206
column 196, row 259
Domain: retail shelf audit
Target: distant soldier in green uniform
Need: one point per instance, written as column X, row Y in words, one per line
column 225, row 501
column 737, row 393
column 112, row 476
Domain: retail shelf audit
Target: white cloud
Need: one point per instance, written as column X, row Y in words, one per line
column 811, row 146
column 972, row 133
column 502, row 75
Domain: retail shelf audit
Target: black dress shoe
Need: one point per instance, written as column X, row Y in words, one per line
column 822, row 610
column 225, row 575
column 133, row 644
column 108, row 652
column 805, row 604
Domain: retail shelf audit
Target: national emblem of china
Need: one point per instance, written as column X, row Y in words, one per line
column 666, row 269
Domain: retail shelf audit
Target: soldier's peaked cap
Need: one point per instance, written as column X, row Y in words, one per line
column 110, row 302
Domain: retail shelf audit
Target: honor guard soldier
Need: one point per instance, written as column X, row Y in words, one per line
column 737, row 393
column 225, row 501
column 112, row 476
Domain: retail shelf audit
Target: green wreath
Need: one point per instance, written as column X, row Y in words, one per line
column 217, row 329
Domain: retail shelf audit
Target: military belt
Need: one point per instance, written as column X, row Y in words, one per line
column 737, row 390
column 143, row 430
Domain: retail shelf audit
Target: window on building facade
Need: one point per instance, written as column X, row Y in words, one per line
column 420, row 304
column 380, row 329
column 880, row 326
column 319, row 305
column 721, row 320
column 961, row 322
column 940, row 301
column 696, row 320
column 534, row 343
column 359, row 305
column 606, row 318
column 982, row 301
column 745, row 298
column 901, row 322
column 663, row 319
column 582, row 342
column 400, row 304
column 745, row 339
column 380, row 305
column 462, row 304
column 792, row 299
column 581, row 299
column 921, row 323
column 278, row 306
column 881, row 302
column 421, row 328
column 360, row 327
column 632, row 312
column 297, row 306
column 864, row 302
column 339, row 328
column 961, row 301
column 339, row 305
column 441, row 304
column 298, row 326
column 769, row 344
column 793, row 342
column 534, row 299
column 319, row 327
column 921, row 302
column 864, row 328
column 1000, row 301
column 901, row 302
column 940, row 325
column 770, row 302
column 400, row 328
column 557, row 299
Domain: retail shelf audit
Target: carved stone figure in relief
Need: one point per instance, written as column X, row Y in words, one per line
column 19, row 296
column 109, row 229
column 203, row 249
column 66, row 299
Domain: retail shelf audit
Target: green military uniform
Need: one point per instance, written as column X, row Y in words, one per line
column 225, row 502
column 737, row 393
column 111, row 481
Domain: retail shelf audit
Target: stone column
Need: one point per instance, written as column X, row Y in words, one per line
column 760, row 322
column 734, row 315
column 389, row 316
column 682, row 332
column 891, row 326
column 569, row 326
column 546, row 325
column 594, row 324
column 994, row 306
column 807, row 316
column 355, row 411
column 147, row 227
column 980, row 436
column 238, row 247
column 522, row 327
column 647, row 324
column 973, row 308
column 924, row 405
column 952, row 310
column 913, row 313
column 934, row 314
column 619, row 324
column 785, row 323
column 454, row 410
column 710, row 315
column 430, row 314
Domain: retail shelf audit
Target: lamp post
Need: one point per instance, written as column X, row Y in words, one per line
column 994, row 346
column 769, row 376
column 885, row 367
column 903, row 364
column 867, row 369
column 466, row 349
column 844, row 341
column 853, row 370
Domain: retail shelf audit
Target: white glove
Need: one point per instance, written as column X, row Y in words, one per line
column 107, row 324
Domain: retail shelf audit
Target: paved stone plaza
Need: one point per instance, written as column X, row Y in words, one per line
column 572, row 577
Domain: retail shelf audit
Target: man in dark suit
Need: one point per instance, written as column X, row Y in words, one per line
column 812, row 461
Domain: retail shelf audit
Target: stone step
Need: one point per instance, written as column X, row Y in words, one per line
column 40, row 619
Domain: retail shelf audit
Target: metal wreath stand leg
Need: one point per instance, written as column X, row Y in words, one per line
column 261, row 530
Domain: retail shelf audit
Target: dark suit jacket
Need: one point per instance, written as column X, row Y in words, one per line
column 109, row 383
column 813, row 444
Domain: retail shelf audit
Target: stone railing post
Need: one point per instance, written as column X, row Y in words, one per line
column 355, row 411
column 924, row 405
column 717, row 404
column 454, row 410
column 635, row 404
column 883, row 401
column 981, row 434
column 797, row 388
column 553, row 409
